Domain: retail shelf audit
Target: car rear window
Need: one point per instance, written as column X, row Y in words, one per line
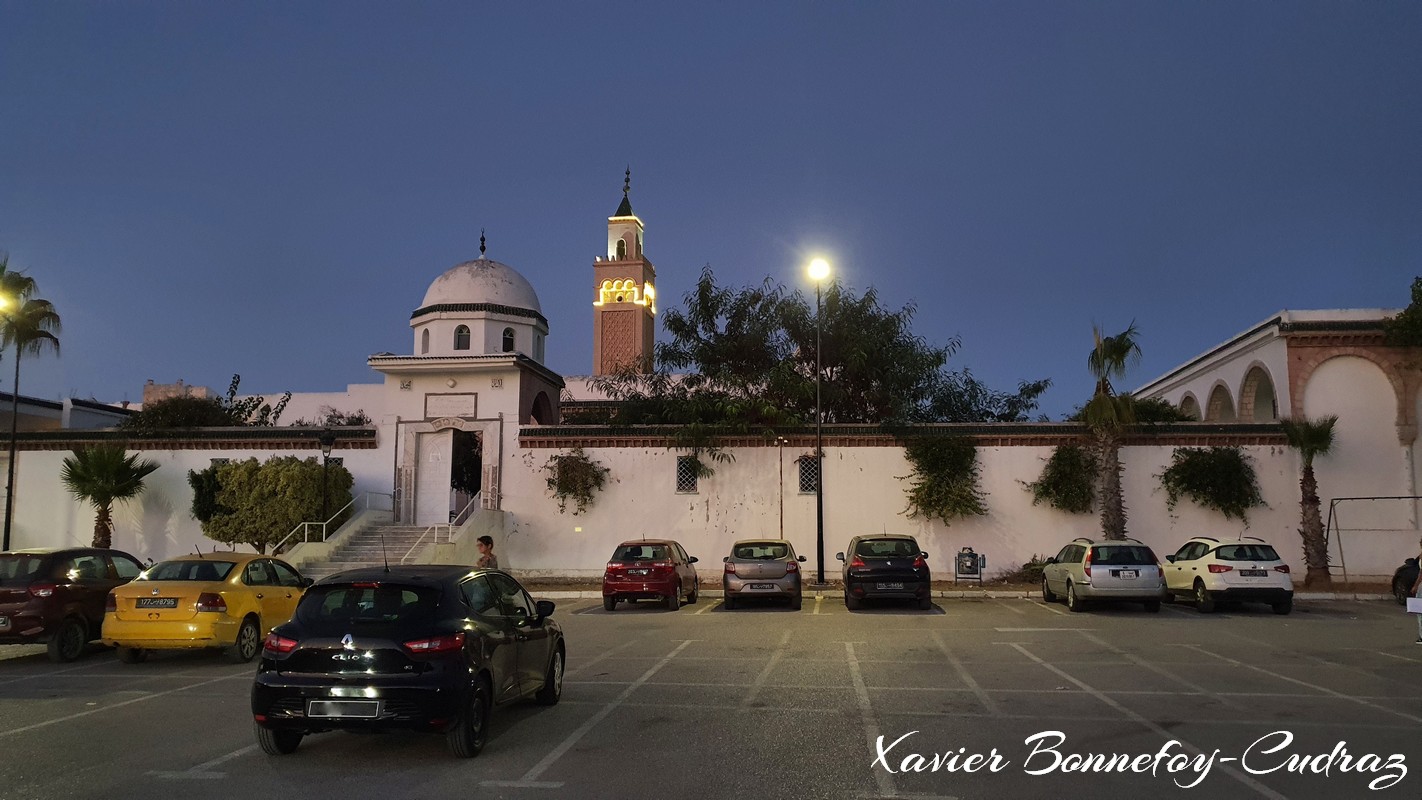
column 762, row 551
column 641, row 552
column 205, row 570
column 20, row 569
column 345, row 604
column 1122, row 554
column 1246, row 552
column 886, row 548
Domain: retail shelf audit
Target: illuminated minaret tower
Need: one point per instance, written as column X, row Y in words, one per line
column 624, row 298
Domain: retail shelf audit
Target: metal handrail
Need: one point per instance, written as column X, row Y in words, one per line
column 305, row 527
column 461, row 516
column 431, row 530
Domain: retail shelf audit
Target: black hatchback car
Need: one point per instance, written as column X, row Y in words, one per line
column 56, row 596
column 889, row 566
column 425, row 648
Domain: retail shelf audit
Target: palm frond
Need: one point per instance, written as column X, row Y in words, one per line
column 1311, row 438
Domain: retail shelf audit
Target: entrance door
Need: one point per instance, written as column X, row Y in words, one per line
column 432, row 478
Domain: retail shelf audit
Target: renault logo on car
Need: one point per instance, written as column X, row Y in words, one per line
column 347, row 642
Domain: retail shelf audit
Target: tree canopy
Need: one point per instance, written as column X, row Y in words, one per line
column 260, row 503
column 206, row 412
column 1405, row 329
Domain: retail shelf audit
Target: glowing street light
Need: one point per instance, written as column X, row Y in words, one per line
column 819, row 271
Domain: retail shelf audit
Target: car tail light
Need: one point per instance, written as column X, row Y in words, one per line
column 259, row 717
column 615, row 566
column 856, row 562
column 278, row 644
column 42, row 589
column 792, row 566
column 1086, row 565
column 110, row 603
column 730, row 568
column 1284, row 568
column 211, row 601
column 437, row 644
column 1218, row 568
column 919, row 563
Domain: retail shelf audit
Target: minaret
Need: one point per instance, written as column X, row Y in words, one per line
column 624, row 298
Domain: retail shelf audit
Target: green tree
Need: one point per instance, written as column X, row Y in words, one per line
column 1311, row 438
column 31, row 326
column 182, row 413
column 1106, row 414
column 102, row 475
column 1405, row 329
column 266, row 501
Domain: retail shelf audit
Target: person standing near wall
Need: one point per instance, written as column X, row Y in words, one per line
column 1417, row 592
column 487, row 559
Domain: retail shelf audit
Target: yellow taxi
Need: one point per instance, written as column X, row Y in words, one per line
column 209, row 600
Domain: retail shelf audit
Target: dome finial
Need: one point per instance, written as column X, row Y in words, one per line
column 481, row 243
column 625, row 208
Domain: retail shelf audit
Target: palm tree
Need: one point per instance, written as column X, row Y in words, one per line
column 100, row 475
column 31, row 326
column 1106, row 414
column 1311, row 438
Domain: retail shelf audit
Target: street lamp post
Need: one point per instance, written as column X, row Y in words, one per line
column 327, row 440
column 819, row 270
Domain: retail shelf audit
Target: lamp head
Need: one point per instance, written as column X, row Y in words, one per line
column 327, row 440
column 819, row 269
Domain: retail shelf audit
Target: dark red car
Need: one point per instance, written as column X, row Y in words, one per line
column 57, row 596
column 650, row 569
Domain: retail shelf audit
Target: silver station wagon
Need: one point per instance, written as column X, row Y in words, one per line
column 1087, row 570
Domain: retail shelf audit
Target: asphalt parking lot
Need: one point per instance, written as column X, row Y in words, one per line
column 765, row 702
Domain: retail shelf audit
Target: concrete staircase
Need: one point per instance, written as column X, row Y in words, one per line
column 364, row 549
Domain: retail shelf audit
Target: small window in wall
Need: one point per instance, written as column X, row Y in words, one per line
column 686, row 473
column 508, row 340
column 424, row 341
column 809, row 474
column 461, row 337
column 621, row 249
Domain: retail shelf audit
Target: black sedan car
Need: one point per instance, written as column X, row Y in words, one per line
column 889, row 566
column 425, row 648
column 1403, row 579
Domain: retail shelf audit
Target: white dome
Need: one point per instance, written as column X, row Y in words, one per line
column 482, row 281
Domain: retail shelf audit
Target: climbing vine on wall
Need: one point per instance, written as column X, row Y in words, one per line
column 944, row 481
column 574, row 477
column 1068, row 481
column 1221, row 478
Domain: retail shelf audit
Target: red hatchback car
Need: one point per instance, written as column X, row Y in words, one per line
column 56, row 596
column 650, row 569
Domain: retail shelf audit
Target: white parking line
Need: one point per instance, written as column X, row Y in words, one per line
column 149, row 696
column 1142, row 663
column 1012, row 608
column 53, row 672
column 708, row 607
column 606, row 654
column 819, row 600
column 866, row 716
column 1313, row 686
column 530, row 778
column 765, row 673
column 1140, row 720
column 203, row 771
column 966, row 677
column 1392, row 655
column 1050, row 607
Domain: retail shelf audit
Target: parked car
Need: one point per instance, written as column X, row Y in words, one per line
column 1403, row 579
column 1108, row 569
column 56, row 595
column 649, row 569
column 424, row 648
column 762, row 568
column 1209, row 571
column 213, row 600
column 886, row 566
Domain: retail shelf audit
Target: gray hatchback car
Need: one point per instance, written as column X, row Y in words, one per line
column 762, row 568
column 1106, row 569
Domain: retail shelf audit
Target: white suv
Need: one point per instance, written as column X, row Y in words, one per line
column 1211, row 570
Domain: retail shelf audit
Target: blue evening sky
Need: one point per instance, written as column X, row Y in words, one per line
column 269, row 188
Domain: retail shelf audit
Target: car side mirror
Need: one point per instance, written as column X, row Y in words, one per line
column 1411, row 562
column 545, row 608
column 691, row 560
column 923, row 554
column 801, row 559
column 839, row 556
column 1171, row 559
column 725, row 558
column 1050, row 560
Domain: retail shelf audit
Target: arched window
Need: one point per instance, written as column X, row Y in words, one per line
column 461, row 337
column 424, row 341
column 1190, row 406
column 1256, row 397
column 508, row 340
column 1221, row 407
column 621, row 249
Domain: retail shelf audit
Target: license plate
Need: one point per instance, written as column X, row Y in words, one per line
column 1125, row 573
column 889, row 585
column 1254, row 573
column 362, row 709
column 157, row 602
column 4, row 623
column 764, row 586
column 637, row 571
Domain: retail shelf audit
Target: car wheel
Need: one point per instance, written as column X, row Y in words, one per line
column 1203, row 602
column 1283, row 607
column 552, row 682
column 467, row 737
column 249, row 641
column 851, row 602
column 67, row 643
column 609, row 604
column 1073, row 602
column 797, row 602
column 278, row 743
column 674, row 599
column 925, row 603
column 1048, row 596
column 132, row 655
column 730, row 602
column 1168, row 597
column 694, row 595
column 1153, row 606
